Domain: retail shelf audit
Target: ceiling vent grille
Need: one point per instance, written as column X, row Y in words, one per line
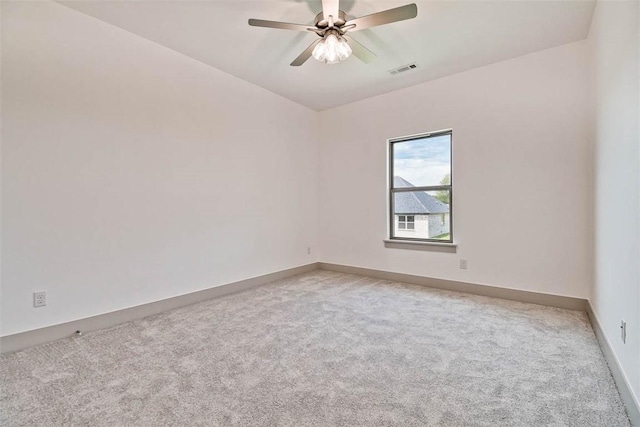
column 403, row 69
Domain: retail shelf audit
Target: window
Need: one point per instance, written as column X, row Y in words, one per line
column 420, row 189
column 406, row 222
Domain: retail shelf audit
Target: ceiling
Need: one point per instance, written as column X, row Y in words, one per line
column 447, row 37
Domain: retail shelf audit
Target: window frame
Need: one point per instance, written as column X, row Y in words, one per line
column 391, row 190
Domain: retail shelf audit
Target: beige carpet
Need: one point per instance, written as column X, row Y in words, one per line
column 323, row 349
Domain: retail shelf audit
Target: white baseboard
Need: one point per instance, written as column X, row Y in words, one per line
column 551, row 300
column 626, row 393
column 27, row 339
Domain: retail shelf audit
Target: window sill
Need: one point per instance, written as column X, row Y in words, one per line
column 420, row 246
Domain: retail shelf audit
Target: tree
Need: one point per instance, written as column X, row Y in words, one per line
column 443, row 195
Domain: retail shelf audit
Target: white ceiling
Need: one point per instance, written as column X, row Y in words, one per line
column 447, row 37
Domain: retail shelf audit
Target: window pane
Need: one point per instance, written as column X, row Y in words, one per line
column 422, row 162
column 427, row 209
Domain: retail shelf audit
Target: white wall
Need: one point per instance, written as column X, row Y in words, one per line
column 520, row 174
column 614, row 40
column 132, row 173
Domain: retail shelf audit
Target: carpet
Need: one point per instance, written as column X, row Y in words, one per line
column 322, row 349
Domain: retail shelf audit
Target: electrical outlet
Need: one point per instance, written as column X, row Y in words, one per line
column 623, row 331
column 39, row 299
column 463, row 264
column 308, row 250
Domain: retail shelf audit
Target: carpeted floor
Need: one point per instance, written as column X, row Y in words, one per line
column 323, row 349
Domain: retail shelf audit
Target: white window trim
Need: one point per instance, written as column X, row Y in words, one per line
column 405, row 243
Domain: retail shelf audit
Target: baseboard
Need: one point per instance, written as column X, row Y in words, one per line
column 560, row 301
column 626, row 393
column 27, row 339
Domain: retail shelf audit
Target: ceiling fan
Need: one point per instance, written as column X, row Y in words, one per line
column 332, row 24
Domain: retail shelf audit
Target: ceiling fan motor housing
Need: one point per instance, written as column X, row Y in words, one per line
column 338, row 21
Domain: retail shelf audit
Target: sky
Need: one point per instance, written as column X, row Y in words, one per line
column 424, row 161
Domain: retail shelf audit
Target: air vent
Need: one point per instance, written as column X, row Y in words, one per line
column 403, row 69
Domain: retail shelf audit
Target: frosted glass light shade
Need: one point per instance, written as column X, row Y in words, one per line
column 343, row 49
column 331, row 46
column 319, row 52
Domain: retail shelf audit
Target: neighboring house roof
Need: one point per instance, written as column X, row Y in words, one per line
column 415, row 202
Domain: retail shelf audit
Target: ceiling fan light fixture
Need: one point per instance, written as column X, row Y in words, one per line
column 332, row 49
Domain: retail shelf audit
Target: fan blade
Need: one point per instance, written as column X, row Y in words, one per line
column 279, row 25
column 306, row 54
column 361, row 52
column 330, row 8
column 387, row 17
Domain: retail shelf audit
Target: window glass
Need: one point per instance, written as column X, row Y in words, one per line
column 423, row 161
